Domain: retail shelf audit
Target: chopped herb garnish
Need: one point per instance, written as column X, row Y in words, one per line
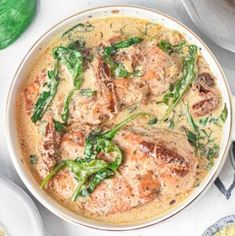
column 217, row 121
column 87, row 92
column 202, row 141
column 59, row 127
column 80, row 27
column 153, row 121
column 33, row 159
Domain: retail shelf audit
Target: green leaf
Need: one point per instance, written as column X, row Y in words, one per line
column 192, row 138
column 77, row 45
column 15, row 16
column 83, row 170
column 59, row 127
column 60, row 166
column 122, row 44
column 73, row 60
column 80, row 27
column 172, row 98
column 95, row 180
column 65, row 112
column 47, row 95
column 204, row 121
column 98, row 141
column 191, row 121
column 166, row 46
column 89, row 172
column 87, row 92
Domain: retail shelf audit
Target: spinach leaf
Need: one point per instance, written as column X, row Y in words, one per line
column 95, row 180
column 122, row 44
column 65, row 112
column 166, row 46
column 172, row 98
column 73, row 60
column 89, row 171
column 80, row 27
column 97, row 141
column 87, row 92
column 47, row 95
column 59, row 127
column 82, row 170
column 60, row 166
column 192, row 138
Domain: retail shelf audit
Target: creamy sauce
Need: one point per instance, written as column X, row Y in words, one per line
column 103, row 29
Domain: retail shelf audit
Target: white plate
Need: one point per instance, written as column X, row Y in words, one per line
column 18, row 214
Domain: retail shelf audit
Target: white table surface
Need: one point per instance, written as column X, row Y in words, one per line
column 192, row 221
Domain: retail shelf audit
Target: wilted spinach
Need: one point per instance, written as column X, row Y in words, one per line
column 65, row 112
column 73, row 60
column 175, row 95
column 166, row 46
column 47, row 95
column 90, row 171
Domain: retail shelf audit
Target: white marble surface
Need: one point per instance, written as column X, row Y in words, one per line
column 192, row 221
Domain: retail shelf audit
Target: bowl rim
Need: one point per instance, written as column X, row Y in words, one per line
column 54, row 209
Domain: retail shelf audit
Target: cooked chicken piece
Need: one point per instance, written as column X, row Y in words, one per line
column 204, row 86
column 164, row 165
column 107, row 104
column 73, row 142
column 172, row 154
column 32, row 91
column 158, row 68
column 129, row 92
column 63, row 184
column 161, row 71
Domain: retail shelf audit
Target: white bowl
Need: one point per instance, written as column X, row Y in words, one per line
column 13, row 143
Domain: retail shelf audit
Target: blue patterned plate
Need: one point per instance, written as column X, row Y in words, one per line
column 225, row 221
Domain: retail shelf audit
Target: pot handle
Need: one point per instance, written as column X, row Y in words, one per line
column 233, row 118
